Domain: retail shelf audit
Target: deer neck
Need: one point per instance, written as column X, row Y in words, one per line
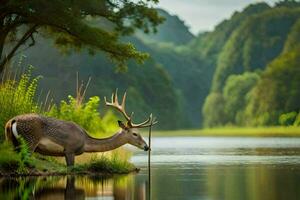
column 105, row 144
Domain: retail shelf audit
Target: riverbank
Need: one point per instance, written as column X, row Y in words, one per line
column 279, row 131
column 65, row 172
column 48, row 168
column 13, row 163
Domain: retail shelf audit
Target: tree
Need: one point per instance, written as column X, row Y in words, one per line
column 235, row 95
column 277, row 92
column 74, row 24
column 213, row 110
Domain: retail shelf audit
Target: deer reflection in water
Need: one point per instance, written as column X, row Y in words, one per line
column 71, row 187
column 69, row 192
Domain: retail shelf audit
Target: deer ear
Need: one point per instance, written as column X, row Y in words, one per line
column 121, row 125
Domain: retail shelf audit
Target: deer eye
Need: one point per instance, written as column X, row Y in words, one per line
column 134, row 134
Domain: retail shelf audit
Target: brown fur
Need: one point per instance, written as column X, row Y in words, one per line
column 53, row 137
column 8, row 131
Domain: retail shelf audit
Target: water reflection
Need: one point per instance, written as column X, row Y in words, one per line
column 72, row 188
column 224, row 171
column 265, row 182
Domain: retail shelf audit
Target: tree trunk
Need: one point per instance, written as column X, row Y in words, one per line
column 2, row 39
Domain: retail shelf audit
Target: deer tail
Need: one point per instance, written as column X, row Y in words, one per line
column 9, row 134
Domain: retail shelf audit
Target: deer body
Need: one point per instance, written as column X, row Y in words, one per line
column 54, row 137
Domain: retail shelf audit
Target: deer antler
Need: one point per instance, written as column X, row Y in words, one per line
column 121, row 108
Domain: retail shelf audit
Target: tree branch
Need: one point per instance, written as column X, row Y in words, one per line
column 25, row 37
column 32, row 41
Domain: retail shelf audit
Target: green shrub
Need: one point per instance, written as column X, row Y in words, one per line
column 15, row 161
column 287, row 119
column 9, row 159
column 104, row 164
column 297, row 120
column 84, row 114
column 17, row 97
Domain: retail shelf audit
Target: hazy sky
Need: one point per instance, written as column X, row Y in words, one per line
column 202, row 15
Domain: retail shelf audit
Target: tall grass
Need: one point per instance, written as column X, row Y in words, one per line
column 17, row 97
column 9, row 159
column 15, row 161
column 85, row 114
column 117, row 162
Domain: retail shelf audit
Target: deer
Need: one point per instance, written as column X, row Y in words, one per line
column 54, row 137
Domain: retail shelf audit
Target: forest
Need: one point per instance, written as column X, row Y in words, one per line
column 243, row 73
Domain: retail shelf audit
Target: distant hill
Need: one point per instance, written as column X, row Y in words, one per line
column 173, row 30
column 256, row 41
column 245, row 72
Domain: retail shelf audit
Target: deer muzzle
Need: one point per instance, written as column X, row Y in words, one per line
column 146, row 147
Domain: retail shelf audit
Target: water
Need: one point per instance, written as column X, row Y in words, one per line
column 192, row 168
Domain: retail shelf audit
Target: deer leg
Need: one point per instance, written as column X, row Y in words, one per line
column 70, row 159
column 32, row 146
column 31, row 143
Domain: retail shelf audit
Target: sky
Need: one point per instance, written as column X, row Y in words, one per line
column 204, row 15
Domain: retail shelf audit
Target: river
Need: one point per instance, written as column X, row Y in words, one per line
column 192, row 168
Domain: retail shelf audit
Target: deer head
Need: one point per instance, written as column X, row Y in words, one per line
column 130, row 129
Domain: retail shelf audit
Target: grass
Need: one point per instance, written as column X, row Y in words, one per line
column 103, row 164
column 17, row 97
column 22, row 163
column 14, row 163
column 276, row 131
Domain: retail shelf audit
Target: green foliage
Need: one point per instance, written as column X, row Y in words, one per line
column 23, row 151
column 69, row 24
column 229, row 107
column 268, row 39
column 190, row 75
column 15, row 161
column 258, row 35
column 277, row 92
column 84, row 114
column 235, row 93
column 213, row 110
column 17, row 97
column 297, row 120
column 9, row 159
column 104, row 164
column 210, row 44
column 287, row 119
